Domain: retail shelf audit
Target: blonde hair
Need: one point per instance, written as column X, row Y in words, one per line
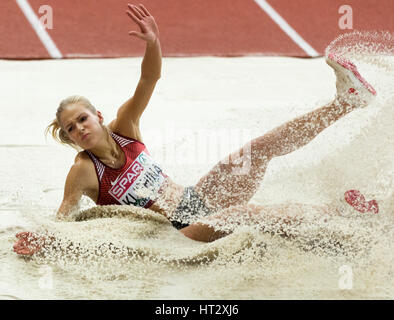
column 55, row 128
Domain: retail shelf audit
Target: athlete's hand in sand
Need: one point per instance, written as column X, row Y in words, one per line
column 29, row 243
column 145, row 21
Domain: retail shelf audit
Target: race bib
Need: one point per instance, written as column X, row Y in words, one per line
column 139, row 183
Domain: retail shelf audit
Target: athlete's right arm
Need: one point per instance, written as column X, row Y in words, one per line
column 74, row 188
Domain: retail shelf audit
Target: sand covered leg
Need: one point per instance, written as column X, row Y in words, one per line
column 284, row 220
column 236, row 178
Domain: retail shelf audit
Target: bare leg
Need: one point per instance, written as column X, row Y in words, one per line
column 271, row 219
column 223, row 186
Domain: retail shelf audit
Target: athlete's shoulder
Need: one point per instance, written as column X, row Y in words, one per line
column 81, row 177
column 129, row 131
column 81, row 158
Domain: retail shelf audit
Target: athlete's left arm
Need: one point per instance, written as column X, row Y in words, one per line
column 131, row 111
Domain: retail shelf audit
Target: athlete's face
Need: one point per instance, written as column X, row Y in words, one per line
column 82, row 126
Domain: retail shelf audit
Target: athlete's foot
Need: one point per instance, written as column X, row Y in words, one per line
column 352, row 88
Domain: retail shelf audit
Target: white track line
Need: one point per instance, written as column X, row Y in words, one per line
column 287, row 28
column 46, row 40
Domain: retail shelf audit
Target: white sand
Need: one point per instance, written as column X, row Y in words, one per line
column 209, row 98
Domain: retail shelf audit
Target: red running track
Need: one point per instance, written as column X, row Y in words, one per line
column 99, row 28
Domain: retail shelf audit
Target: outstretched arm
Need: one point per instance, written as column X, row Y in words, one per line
column 149, row 32
column 129, row 113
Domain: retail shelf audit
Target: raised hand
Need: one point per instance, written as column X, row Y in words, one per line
column 28, row 243
column 145, row 21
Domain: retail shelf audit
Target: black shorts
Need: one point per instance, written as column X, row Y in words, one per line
column 189, row 209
